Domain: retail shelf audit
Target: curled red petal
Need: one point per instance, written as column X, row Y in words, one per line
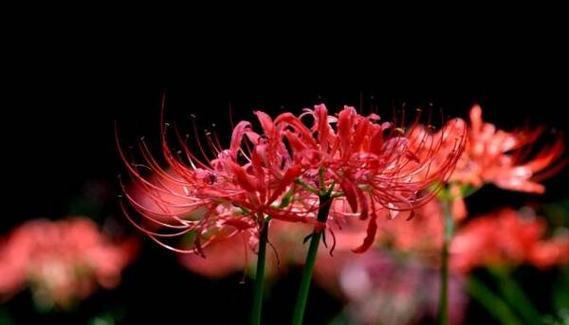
column 242, row 177
column 290, row 175
column 267, row 124
column 350, row 193
column 237, row 136
column 321, row 113
column 345, row 125
column 359, row 135
column 363, row 204
column 370, row 237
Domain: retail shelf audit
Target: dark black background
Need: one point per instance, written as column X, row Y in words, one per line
column 64, row 91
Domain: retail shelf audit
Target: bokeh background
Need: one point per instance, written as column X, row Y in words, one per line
column 60, row 156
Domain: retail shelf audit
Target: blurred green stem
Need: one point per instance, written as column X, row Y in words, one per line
column 516, row 297
column 260, row 274
column 298, row 316
column 442, row 317
column 491, row 302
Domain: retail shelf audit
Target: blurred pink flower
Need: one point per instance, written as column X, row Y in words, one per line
column 420, row 236
column 221, row 258
column 507, row 237
column 384, row 290
column 234, row 254
column 61, row 261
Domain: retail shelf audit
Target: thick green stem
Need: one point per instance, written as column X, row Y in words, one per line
column 260, row 275
column 443, row 311
column 298, row 316
column 491, row 302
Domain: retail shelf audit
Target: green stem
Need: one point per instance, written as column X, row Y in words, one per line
column 491, row 302
column 298, row 316
column 516, row 297
column 443, row 311
column 260, row 275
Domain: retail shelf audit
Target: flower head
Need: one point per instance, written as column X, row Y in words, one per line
column 373, row 167
column 507, row 237
column 210, row 199
column 357, row 165
column 62, row 261
column 502, row 158
column 508, row 160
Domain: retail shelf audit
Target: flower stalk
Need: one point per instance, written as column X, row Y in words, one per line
column 443, row 312
column 325, row 203
column 256, row 311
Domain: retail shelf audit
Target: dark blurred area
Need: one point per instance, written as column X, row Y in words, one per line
column 62, row 97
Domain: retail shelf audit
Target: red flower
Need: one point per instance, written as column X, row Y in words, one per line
column 505, row 159
column 375, row 167
column 213, row 199
column 507, row 237
column 61, row 261
column 500, row 157
column 283, row 173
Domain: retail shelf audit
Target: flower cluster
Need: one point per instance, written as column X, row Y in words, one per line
column 508, row 237
column 357, row 166
column 61, row 261
column 503, row 158
column 509, row 160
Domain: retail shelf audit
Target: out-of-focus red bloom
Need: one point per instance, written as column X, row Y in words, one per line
column 283, row 172
column 222, row 258
column 420, row 236
column 505, row 238
column 61, row 261
column 234, row 254
column 500, row 157
column 506, row 159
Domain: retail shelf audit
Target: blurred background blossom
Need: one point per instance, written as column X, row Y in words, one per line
column 62, row 262
column 385, row 289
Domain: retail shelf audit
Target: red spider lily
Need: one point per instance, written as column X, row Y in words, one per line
column 212, row 199
column 507, row 237
column 283, row 172
column 61, row 261
column 500, row 157
column 370, row 164
column 495, row 156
